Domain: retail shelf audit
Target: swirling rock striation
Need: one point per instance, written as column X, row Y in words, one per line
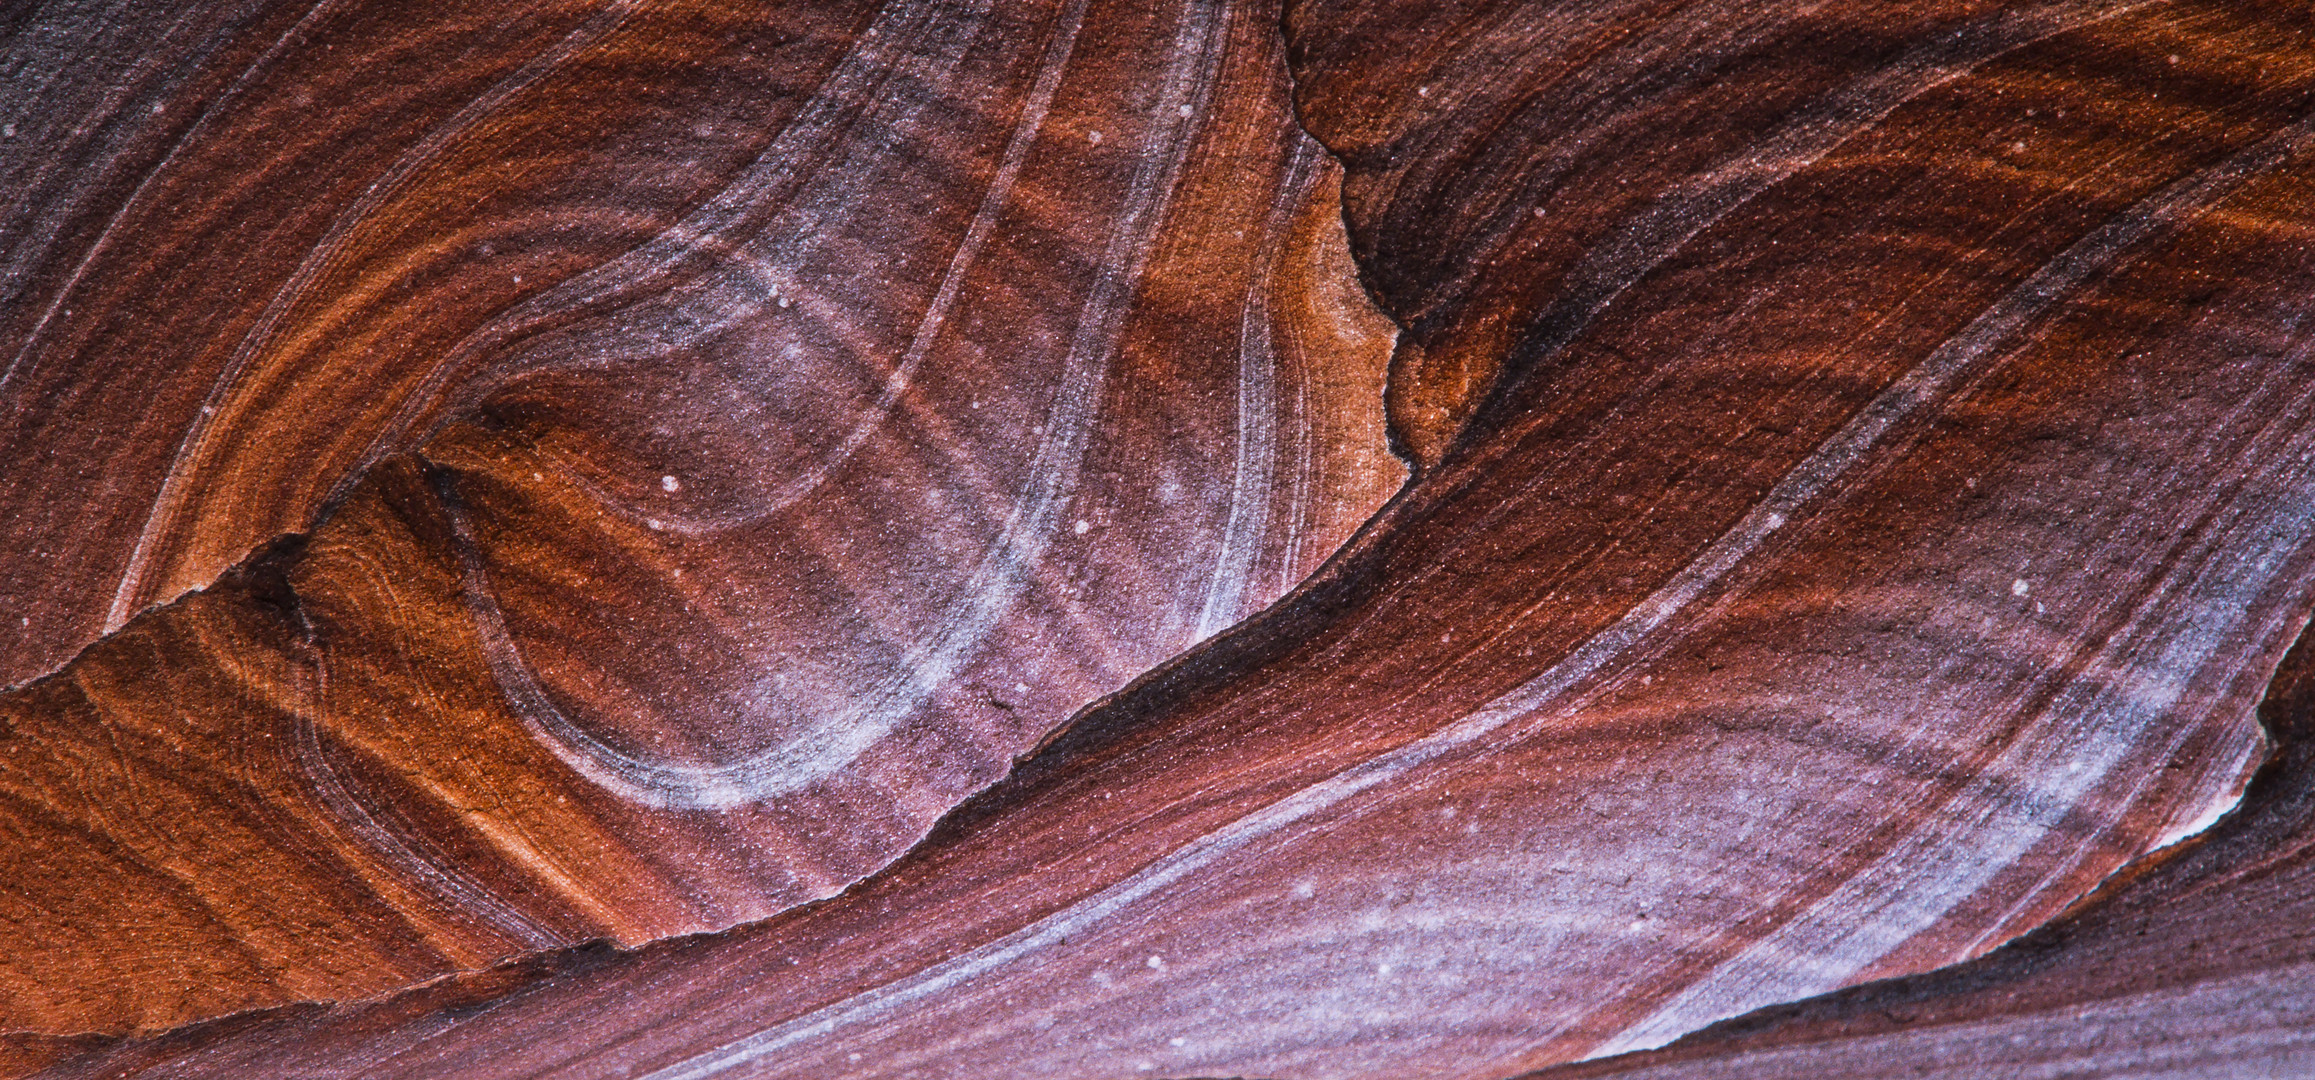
column 2196, row 966
column 1864, row 493
column 715, row 445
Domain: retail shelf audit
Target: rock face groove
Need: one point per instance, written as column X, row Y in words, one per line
column 682, row 540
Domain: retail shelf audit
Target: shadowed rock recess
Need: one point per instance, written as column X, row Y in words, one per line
column 1085, row 539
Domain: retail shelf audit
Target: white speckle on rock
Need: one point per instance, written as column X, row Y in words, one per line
column 1176, row 1041
column 1184, row 110
column 2019, row 587
column 669, row 483
column 1156, row 963
column 1082, row 527
column 1093, row 137
column 1305, row 890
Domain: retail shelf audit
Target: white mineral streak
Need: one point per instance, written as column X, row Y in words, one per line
column 36, row 61
column 2141, row 673
column 885, row 696
column 1253, row 478
column 2097, row 722
column 795, row 183
column 184, row 466
column 2256, row 1025
column 349, row 813
column 1655, row 234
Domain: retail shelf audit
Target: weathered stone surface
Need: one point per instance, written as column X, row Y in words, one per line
column 716, row 443
column 1861, row 494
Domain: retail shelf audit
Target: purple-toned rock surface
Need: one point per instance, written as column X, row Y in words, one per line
column 1860, row 498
